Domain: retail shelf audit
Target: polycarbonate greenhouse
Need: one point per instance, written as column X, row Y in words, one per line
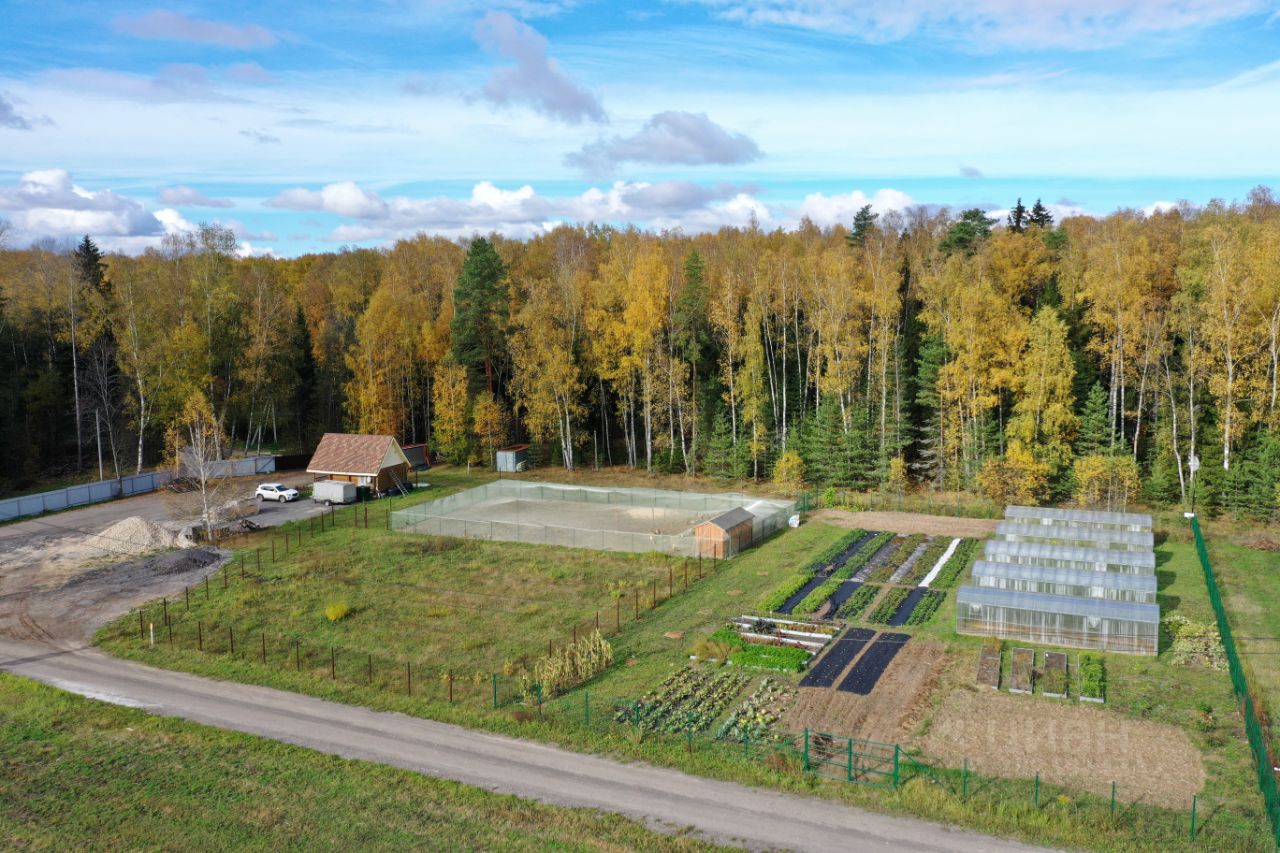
column 1070, row 557
column 1066, row 577
column 1080, row 537
column 1059, row 620
column 1057, row 581
column 1123, row 521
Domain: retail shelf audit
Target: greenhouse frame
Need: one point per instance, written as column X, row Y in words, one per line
column 1122, row 521
column 1070, row 557
column 1059, row 620
column 1060, row 581
column 1080, row 537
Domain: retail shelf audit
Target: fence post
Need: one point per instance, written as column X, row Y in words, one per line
column 264, row 646
column 257, row 556
column 849, row 759
column 231, row 639
column 495, row 690
column 206, row 587
column 186, row 596
column 451, row 689
column 897, row 764
column 333, row 664
column 408, row 667
column 688, row 727
column 1193, row 817
column 806, row 748
column 637, row 713
column 242, row 565
column 297, row 654
column 670, row 584
column 199, row 635
column 586, row 707
column 1113, row 799
column 370, row 671
column 637, row 602
column 964, row 782
column 142, row 629
column 224, row 578
column 1036, row 795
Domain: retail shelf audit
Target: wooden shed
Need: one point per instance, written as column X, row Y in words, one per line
column 726, row 534
column 375, row 461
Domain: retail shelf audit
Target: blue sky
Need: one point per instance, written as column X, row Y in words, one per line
column 309, row 126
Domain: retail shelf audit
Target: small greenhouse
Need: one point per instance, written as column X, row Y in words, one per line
column 1058, row 581
column 1132, row 522
column 1070, row 557
column 1059, row 620
column 1079, row 537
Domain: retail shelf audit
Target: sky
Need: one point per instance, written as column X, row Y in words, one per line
column 309, row 126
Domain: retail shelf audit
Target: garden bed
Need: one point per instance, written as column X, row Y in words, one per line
column 1093, row 678
column 926, row 608
column 888, row 605
column 858, row 602
column 1022, row 676
column 753, row 720
column 690, row 699
column 1054, row 682
column 866, row 550
column 990, row 662
column 955, row 566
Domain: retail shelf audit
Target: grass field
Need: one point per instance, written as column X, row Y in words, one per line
column 83, row 775
column 402, row 575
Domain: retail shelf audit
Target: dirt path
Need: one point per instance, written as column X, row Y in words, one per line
column 1072, row 745
column 665, row 799
column 909, row 522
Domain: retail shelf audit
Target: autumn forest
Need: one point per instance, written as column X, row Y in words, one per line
column 1089, row 360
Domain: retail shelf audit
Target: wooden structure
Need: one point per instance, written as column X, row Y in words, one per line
column 512, row 459
column 373, row 461
column 726, row 534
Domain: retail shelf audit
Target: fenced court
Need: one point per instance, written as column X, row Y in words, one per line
column 606, row 519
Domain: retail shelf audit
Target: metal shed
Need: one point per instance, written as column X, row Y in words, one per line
column 726, row 534
column 512, row 459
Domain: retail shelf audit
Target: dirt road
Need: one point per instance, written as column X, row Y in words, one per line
column 664, row 799
column 909, row 522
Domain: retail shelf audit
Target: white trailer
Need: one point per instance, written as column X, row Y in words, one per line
column 330, row 492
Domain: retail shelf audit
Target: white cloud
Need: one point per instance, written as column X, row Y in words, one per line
column 249, row 72
column 188, row 197
column 175, row 26
column 669, row 138
column 536, row 79
column 172, row 84
column 14, row 120
column 48, row 204
column 826, row 210
column 343, row 199
column 1159, row 207
column 1070, row 24
column 261, row 137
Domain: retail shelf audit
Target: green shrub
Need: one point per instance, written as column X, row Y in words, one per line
column 336, row 611
column 781, row 658
column 811, row 602
column 1093, row 676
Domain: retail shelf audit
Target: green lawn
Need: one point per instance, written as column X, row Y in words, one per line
column 84, row 775
column 394, row 584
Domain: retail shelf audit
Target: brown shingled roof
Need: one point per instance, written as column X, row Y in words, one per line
column 343, row 453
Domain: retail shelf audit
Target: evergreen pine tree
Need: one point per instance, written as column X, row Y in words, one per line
column 863, row 221
column 1018, row 217
column 967, row 232
column 933, row 355
column 89, row 267
column 720, row 461
column 1095, row 424
column 1040, row 216
column 480, row 316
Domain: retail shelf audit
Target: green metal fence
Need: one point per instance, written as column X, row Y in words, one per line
column 853, row 759
column 1252, row 726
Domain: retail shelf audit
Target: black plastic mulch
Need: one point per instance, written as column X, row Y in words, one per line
column 867, row 671
column 842, row 594
column 903, row 613
column 830, row 665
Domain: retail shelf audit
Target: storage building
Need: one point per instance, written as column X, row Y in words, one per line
column 373, row 461
column 513, row 459
column 726, row 534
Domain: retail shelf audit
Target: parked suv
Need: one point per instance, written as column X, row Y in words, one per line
column 276, row 492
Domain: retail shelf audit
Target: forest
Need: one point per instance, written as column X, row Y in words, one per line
column 1094, row 360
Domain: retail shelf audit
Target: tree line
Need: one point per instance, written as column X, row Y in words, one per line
column 1101, row 360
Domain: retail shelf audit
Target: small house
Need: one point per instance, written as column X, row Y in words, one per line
column 373, row 461
column 417, row 456
column 512, row 459
column 726, row 534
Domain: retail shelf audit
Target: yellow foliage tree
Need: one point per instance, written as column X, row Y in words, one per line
column 452, row 423
column 1106, row 481
column 788, row 471
column 1016, row 478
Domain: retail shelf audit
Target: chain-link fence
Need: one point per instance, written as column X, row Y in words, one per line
column 1252, row 719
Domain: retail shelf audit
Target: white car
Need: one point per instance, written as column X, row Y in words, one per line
column 276, row 492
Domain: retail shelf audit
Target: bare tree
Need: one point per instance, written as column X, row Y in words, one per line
column 195, row 445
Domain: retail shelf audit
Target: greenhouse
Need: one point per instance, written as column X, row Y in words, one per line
column 1059, row 620
column 1122, row 521
column 1069, row 557
column 1080, row 537
column 1058, row 581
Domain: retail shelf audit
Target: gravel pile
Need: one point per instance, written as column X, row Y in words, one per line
column 135, row 535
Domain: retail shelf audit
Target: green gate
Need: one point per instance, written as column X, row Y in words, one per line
column 867, row 762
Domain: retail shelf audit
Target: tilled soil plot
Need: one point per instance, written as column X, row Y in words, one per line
column 1072, row 745
column 891, row 710
column 909, row 522
column 74, row 610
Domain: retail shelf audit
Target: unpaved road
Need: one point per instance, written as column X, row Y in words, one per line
column 665, row 799
column 909, row 522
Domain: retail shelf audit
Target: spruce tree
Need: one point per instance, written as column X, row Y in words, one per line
column 1040, row 216
column 933, row 355
column 720, row 461
column 1018, row 217
column 967, row 232
column 480, row 312
column 89, row 267
column 1095, row 424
